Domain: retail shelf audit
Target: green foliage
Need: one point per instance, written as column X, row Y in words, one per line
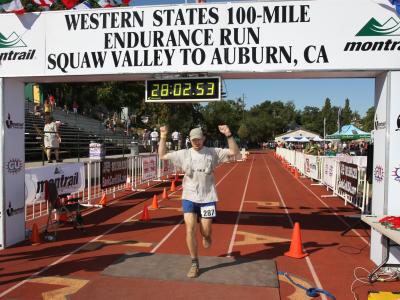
column 367, row 123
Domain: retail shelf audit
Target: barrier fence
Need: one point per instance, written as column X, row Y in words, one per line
column 108, row 176
column 345, row 176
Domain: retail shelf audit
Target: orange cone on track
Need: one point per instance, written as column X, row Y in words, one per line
column 173, row 188
column 35, row 237
column 145, row 215
column 103, row 200
column 296, row 174
column 164, row 194
column 155, row 202
column 296, row 248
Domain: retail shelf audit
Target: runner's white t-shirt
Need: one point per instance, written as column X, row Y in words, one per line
column 198, row 183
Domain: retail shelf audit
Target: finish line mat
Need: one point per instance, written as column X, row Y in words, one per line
column 212, row 269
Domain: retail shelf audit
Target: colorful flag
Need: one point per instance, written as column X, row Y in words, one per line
column 69, row 3
column 106, row 3
column 44, row 3
column 83, row 5
column 396, row 3
column 13, row 6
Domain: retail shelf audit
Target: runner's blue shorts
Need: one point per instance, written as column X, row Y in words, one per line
column 193, row 207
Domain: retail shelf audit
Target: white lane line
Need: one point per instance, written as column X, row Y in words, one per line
column 333, row 212
column 229, row 253
column 308, row 260
column 177, row 225
column 68, row 255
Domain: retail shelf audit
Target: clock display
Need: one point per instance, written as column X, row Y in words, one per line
column 183, row 90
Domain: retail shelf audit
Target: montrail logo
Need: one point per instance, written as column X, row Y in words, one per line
column 14, row 41
column 375, row 29
column 14, row 211
column 11, row 124
column 379, row 125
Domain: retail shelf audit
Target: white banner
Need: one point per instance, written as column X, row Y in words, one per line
column 149, row 167
column 13, row 161
column 329, row 171
column 212, row 37
column 69, row 178
column 310, row 166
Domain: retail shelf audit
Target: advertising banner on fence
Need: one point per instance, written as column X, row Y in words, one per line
column 113, row 172
column 310, row 166
column 348, row 178
column 329, row 172
column 149, row 167
column 69, row 178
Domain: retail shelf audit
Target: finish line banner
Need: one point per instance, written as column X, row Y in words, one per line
column 211, row 37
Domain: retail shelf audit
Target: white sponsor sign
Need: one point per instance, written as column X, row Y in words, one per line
column 69, row 178
column 149, row 165
column 329, row 172
column 310, row 166
column 214, row 37
column 14, row 159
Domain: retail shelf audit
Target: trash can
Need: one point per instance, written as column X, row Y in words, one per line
column 96, row 151
column 134, row 148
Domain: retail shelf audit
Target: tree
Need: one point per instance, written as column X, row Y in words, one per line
column 367, row 123
column 346, row 114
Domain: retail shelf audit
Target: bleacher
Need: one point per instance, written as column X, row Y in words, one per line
column 76, row 133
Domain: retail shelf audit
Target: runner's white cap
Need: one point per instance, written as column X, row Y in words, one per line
column 196, row 133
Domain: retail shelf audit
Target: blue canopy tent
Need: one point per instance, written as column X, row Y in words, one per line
column 349, row 132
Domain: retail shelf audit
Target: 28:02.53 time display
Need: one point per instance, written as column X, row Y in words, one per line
column 199, row 89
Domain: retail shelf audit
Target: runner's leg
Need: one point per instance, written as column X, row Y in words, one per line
column 205, row 229
column 191, row 241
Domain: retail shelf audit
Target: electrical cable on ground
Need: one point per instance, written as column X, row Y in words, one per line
column 311, row 292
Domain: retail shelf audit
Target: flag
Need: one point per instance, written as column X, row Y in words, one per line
column 83, row 5
column 396, row 3
column 69, row 3
column 200, row 1
column 106, row 3
column 44, row 3
column 13, row 6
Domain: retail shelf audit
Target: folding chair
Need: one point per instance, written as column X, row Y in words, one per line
column 66, row 211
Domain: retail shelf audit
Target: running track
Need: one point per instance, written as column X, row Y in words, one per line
column 259, row 203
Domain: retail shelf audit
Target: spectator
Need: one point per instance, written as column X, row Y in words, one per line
column 175, row 140
column 65, row 109
column 154, row 140
column 47, row 107
column 52, row 101
column 37, row 110
column 52, row 139
column 75, row 107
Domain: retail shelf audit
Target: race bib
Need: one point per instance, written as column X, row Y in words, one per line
column 208, row 211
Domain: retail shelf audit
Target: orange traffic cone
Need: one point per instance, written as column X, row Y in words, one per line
column 155, row 202
column 173, row 188
column 164, row 194
column 35, row 237
column 296, row 248
column 103, row 200
column 145, row 215
column 296, row 174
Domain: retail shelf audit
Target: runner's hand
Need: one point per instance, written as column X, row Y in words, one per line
column 163, row 131
column 224, row 129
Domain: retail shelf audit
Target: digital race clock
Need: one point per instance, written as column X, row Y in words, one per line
column 183, row 90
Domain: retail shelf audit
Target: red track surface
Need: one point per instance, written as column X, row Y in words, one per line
column 244, row 228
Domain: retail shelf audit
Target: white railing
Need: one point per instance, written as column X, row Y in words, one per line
column 92, row 192
column 328, row 173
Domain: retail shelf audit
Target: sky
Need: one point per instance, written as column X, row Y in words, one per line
column 303, row 92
